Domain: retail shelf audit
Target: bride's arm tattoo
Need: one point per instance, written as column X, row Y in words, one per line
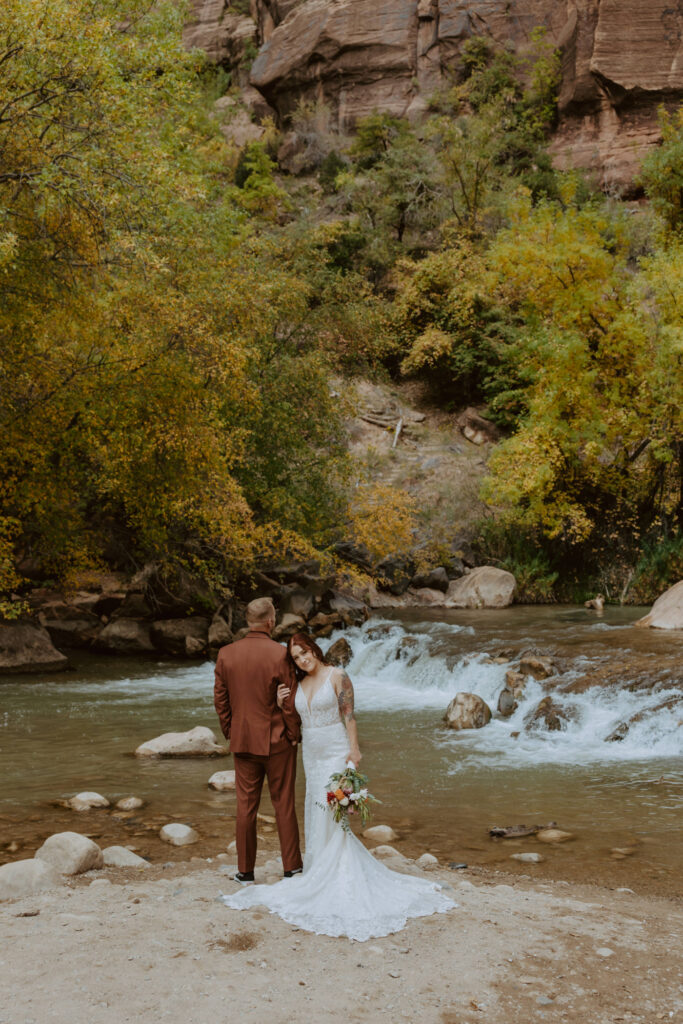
column 345, row 698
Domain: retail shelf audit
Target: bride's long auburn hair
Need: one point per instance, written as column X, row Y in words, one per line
column 307, row 643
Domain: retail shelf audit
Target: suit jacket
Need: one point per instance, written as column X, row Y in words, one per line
column 248, row 673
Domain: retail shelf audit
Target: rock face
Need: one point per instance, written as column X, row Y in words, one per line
column 70, row 853
column 467, row 711
column 667, row 611
column 24, row 877
column 485, row 587
column 28, row 648
column 620, row 60
column 197, row 742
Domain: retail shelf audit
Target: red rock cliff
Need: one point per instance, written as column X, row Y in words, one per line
column 621, row 60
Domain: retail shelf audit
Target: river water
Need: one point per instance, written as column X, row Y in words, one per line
column 440, row 790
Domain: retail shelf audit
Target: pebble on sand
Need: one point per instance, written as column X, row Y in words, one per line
column 527, row 858
column 178, row 835
column 428, row 862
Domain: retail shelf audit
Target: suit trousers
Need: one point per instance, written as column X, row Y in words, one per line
column 280, row 770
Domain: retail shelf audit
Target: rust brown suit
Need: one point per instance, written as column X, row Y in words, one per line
column 262, row 738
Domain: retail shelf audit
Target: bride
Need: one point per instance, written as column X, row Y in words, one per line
column 343, row 890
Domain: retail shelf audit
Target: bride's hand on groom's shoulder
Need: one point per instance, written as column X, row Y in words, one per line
column 283, row 693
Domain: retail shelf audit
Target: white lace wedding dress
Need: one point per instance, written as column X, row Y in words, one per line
column 343, row 890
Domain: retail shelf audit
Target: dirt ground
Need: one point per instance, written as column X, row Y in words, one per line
column 157, row 947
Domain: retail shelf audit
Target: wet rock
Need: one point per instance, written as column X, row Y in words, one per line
column 125, row 636
column 381, row 631
column 436, row 579
column 380, row 834
column 518, row 831
column 507, row 704
column 120, row 857
column 178, row 835
column 86, row 801
column 477, row 429
column 24, row 877
column 428, row 862
column 537, row 666
column 288, row 626
column 70, row 853
column 667, row 611
column 350, row 610
column 407, row 650
column 68, row 625
column 25, row 647
column 484, row 587
column 187, row 637
column 547, row 715
column 130, row 803
column 597, row 602
column 394, row 574
column 467, row 711
column 527, row 858
column 222, row 781
column 340, row 653
column 623, row 729
column 515, row 682
column 553, row 835
column 197, row 742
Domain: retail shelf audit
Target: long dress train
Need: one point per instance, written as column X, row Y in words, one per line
column 343, row 889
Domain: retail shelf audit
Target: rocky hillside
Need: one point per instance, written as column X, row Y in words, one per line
column 621, row 61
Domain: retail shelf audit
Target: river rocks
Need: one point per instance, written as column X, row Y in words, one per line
column 24, row 877
column 467, row 711
column 380, row 834
column 340, row 653
column 181, row 636
column 548, row 715
column 537, row 666
column 130, row 803
column 477, row 429
column 287, row 626
column 297, row 602
column 70, row 625
column 220, row 633
column 623, row 729
column 25, row 647
column 553, row 835
column 86, row 801
column 386, row 852
column 527, row 858
column 348, row 608
column 515, row 682
column 120, row 857
column 394, row 574
column 597, row 602
column 507, row 704
column 484, row 587
column 223, row 782
column 667, row 611
column 125, row 636
column 70, row 853
column 178, row 835
column 197, row 742
column 428, row 862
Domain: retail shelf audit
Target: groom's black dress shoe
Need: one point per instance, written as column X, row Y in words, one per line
column 244, row 877
column 290, row 874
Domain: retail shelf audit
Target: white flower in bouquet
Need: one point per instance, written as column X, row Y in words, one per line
column 344, row 801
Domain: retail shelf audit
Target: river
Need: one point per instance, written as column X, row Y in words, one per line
column 440, row 790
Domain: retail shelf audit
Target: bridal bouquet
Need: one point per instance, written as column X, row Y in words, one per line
column 347, row 794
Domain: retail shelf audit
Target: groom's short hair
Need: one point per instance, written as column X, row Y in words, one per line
column 260, row 610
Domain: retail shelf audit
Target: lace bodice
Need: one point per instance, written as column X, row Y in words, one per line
column 324, row 709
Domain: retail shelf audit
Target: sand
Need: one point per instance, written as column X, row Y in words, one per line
column 157, row 946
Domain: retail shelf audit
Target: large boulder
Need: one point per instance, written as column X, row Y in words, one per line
column 189, row 637
column 484, row 587
column 71, row 625
column 287, row 626
column 435, row 579
column 125, row 636
column 477, row 429
column 667, row 611
column 197, row 742
column 297, row 601
column 348, row 608
column 25, row 647
column 220, row 633
column 24, row 877
column 467, row 711
column 394, row 574
column 70, row 853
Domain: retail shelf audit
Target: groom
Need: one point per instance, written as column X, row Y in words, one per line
column 263, row 738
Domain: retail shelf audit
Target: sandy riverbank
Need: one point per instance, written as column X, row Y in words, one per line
column 156, row 945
